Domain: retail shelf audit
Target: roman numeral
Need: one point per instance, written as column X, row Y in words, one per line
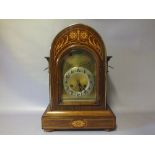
column 78, row 94
column 67, row 76
column 72, row 71
column 67, row 88
column 78, row 70
column 71, row 92
column 89, row 88
column 85, row 92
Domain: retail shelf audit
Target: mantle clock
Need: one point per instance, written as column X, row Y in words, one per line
column 78, row 82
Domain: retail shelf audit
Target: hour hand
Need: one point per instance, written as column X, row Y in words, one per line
column 79, row 85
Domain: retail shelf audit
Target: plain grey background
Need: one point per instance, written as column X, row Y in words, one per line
column 24, row 84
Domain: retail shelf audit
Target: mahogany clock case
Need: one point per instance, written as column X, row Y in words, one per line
column 78, row 116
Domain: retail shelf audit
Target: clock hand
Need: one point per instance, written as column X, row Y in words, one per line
column 79, row 85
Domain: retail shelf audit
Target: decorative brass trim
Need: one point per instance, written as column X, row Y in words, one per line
column 79, row 123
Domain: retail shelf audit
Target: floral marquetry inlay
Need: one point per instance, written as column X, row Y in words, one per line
column 79, row 123
column 77, row 35
column 73, row 35
column 83, row 35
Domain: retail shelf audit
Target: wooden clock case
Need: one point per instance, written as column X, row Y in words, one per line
column 78, row 117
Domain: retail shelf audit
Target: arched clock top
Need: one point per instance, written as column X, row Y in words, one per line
column 81, row 35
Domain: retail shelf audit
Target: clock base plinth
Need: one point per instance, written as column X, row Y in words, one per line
column 78, row 120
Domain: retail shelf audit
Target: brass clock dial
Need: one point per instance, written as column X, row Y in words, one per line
column 78, row 81
column 79, row 78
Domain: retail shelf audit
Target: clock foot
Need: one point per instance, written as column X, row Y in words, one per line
column 108, row 130
column 50, row 130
